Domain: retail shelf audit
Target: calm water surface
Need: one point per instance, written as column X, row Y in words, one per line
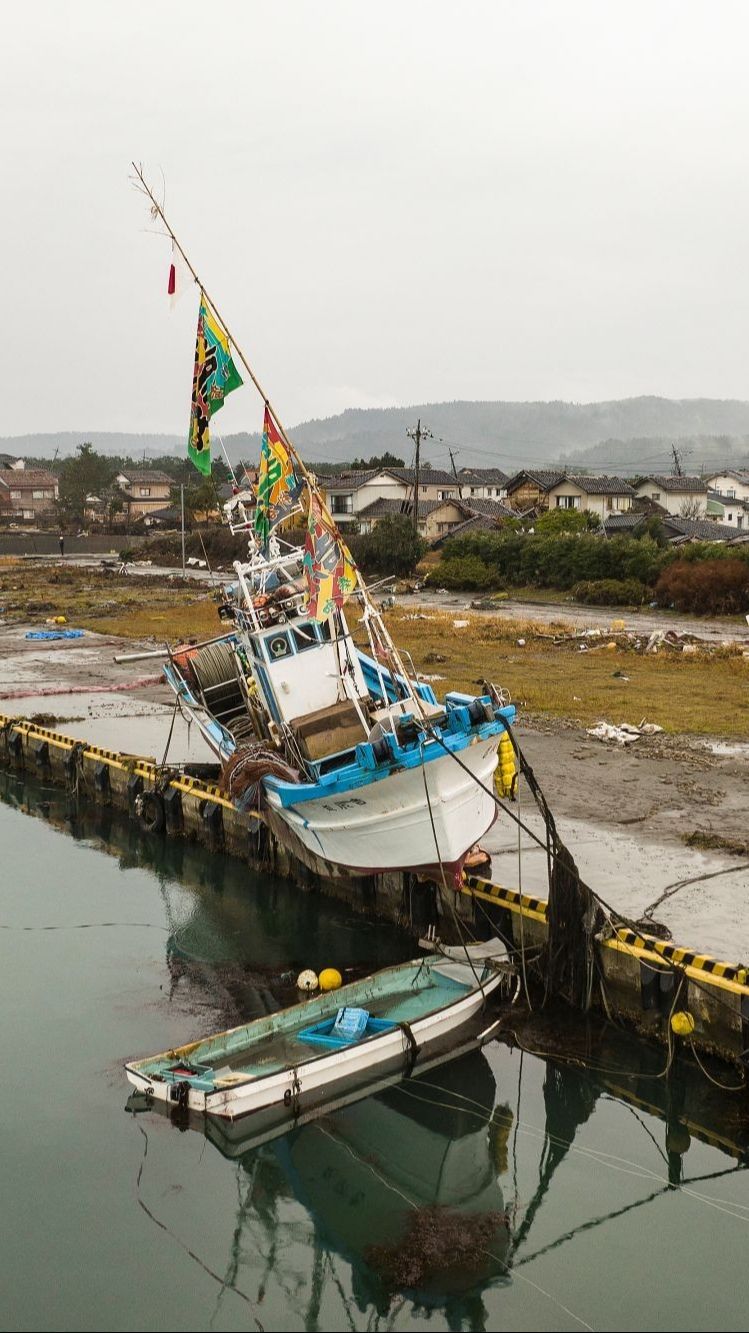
column 582, row 1207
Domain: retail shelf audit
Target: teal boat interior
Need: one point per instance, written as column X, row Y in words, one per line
column 307, row 1031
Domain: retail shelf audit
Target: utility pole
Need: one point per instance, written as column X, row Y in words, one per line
column 417, row 436
column 455, row 470
column 677, row 470
column 182, row 509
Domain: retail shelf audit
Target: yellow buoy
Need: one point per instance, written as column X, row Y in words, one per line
column 682, row 1023
column 505, row 774
column 330, row 979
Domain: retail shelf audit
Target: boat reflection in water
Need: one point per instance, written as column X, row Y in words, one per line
column 402, row 1184
column 405, row 1182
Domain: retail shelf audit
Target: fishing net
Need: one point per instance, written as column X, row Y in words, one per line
column 243, row 772
column 574, row 916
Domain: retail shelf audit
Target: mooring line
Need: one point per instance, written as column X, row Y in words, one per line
column 183, row 1246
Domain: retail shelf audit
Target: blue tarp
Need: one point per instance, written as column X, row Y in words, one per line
column 55, row 634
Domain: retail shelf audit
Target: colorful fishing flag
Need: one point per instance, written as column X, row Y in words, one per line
column 279, row 487
column 328, row 565
column 214, row 376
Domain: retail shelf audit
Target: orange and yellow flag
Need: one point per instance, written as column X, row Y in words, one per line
column 328, row 564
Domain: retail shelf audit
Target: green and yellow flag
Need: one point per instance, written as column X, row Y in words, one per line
column 279, row 488
column 214, row 376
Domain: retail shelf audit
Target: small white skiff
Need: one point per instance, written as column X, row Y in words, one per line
column 305, row 1053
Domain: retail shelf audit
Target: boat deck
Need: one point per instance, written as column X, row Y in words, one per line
column 264, row 1048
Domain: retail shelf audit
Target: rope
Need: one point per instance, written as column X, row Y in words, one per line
column 450, row 904
column 612, row 915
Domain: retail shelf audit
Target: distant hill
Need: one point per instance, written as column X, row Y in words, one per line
column 64, row 443
column 624, row 435
column 654, row 454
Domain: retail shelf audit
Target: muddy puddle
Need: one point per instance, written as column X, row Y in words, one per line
column 632, row 872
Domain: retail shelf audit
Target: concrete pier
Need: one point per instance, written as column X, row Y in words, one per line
column 646, row 981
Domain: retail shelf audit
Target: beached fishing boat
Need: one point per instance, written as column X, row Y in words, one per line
column 354, row 761
column 289, row 1060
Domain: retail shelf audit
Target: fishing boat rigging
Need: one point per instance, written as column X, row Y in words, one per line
column 349, row 754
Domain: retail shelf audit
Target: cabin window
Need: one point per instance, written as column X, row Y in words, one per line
column 304, row 637
column 277, row 646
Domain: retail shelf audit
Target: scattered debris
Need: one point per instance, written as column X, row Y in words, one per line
column 437, row 1241
column 460, row 624
column 625, row 733
column 716, row 842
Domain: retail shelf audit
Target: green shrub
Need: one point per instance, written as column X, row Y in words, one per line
column 558, row 560
column 610, row 592
column 467, row 571
column 391, row 548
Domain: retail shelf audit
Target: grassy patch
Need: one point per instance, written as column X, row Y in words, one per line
column 705, row 695
column 715, row 842
column 702, row 694
column 133, row 606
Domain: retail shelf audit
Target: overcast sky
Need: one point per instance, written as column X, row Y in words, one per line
column 392, row 203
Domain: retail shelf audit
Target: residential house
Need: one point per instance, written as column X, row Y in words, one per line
column 476, row 523
column 623, row 525
column 680, row 495
column 602, row 496
column 434, row 484
column 350, row 493
column 530, row 489
column 144, row 491
column 729, row 497
column 681, row 530
column 168, row 517
column 482, row 483
column 27, row 493
column 437, row 518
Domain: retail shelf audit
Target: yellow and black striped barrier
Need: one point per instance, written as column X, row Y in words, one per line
column 639, row 969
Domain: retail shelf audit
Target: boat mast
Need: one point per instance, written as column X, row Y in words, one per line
column 371, row 613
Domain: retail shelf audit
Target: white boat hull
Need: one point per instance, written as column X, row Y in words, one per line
column 388, row 825
column 289, row 1088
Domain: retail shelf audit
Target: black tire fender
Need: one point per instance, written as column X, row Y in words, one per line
column 151, row 813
